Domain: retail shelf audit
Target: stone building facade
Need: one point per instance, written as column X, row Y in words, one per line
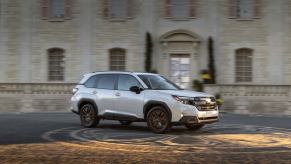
column 56, row 41
column 86, row 31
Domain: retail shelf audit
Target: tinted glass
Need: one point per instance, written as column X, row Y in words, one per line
column 106, row 81
column 117, row 59
column 91, row 82
column 127, row 81
column 245, row 8
column 56, row 64
column 180, row 8
column 156, row 82
column 118, row 8
column 57, row 8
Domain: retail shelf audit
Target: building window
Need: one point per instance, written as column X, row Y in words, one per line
column 56, row 64
column 245, row 9
column 243, row 65
column 180, row 9
column 56, row 10
column 117, row 59
column 117, row 9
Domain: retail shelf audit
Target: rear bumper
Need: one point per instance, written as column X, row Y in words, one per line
column 72, row 110
column 198, row 120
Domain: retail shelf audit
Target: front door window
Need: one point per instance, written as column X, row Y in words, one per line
column 180, row 70
column 127, row 81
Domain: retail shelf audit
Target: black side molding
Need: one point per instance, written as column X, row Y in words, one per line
column 123, row 117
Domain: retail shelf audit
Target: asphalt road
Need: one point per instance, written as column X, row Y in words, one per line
column 59, row 138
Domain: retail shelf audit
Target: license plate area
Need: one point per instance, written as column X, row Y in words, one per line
column 208, row 114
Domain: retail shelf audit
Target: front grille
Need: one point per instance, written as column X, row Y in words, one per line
column 207, row 107
column 205, row 103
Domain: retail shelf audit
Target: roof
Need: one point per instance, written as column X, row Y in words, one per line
column 123, row 72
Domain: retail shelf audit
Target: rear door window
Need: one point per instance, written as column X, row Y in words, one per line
column 106, row 81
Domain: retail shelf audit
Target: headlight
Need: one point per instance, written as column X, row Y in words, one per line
column 196, row 101
column 184, row 100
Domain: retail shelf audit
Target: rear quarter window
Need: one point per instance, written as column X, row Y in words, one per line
column 91, row 82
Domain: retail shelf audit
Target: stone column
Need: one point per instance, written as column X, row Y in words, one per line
column 288, row 102
column 2, row 54
column 275, row 31
column 85, row 34
column 163, row 65
column 24, row 49
column 194, row 56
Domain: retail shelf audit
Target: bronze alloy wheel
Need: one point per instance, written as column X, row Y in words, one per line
column 194, row 126
column 125, row 122
column 88, row 116
column 158, row 120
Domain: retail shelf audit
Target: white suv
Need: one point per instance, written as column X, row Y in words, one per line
column 140, row 97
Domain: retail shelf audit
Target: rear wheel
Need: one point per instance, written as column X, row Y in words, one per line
column 125, row 122
column 158, row 120
column 88, row 116
column 194, row 126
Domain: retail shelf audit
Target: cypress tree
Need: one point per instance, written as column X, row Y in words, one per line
column 148, row 52
column 211, row 61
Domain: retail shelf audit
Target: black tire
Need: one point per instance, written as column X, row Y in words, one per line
column 158, row 120
column 88, row 116
column 125, row 122
column 194, row 126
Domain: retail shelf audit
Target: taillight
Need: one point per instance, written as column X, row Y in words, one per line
column 75, row 90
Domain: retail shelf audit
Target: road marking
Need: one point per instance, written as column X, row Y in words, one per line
column 217, row 138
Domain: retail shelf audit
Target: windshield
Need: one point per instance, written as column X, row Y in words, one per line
column 157, row 82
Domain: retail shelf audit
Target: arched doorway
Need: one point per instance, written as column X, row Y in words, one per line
column 180, row 49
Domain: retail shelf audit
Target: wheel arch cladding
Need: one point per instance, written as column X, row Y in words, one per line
column 87, row 101
column 149, row 105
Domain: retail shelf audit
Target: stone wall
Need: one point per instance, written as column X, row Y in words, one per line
column 287, row 40
column 29, row 97
column 254, row 99
column 86, row 38
column 242, row 99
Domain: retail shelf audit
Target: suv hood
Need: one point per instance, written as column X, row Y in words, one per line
column 186, row 93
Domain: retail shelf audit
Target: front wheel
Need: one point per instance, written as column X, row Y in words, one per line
column 158, row 120
column 88, row 116
column 194, row 126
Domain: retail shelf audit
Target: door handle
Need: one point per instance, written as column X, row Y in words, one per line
column 117, row 94
column 94, row 92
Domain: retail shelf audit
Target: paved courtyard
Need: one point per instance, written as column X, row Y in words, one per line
column 58, row 138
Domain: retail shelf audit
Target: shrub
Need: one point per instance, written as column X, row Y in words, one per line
column 198, row 86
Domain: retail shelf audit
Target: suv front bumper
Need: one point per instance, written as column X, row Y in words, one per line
column 198, row 120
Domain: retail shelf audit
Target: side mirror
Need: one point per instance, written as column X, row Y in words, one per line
column 136, row 89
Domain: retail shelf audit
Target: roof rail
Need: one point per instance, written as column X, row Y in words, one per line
column 123, row 72
column 113, row 71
